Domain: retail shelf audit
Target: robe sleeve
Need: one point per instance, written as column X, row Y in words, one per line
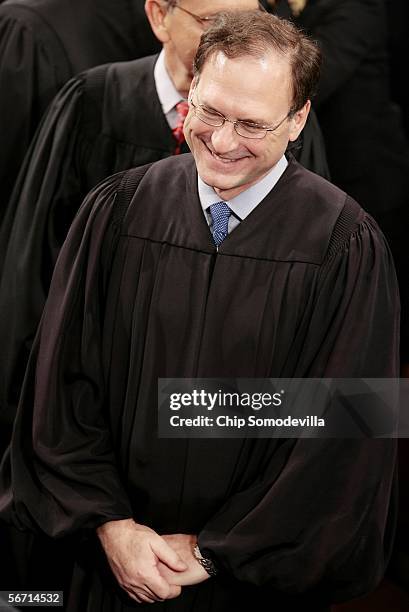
column 325, row 521
column 32, row 69
column 345, row 34
column 62, row 468
column 42, row 207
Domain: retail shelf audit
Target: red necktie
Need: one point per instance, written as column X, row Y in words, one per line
column 182, row 109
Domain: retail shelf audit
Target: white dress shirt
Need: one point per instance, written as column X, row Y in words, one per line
column 167, row 93
column 244, row 203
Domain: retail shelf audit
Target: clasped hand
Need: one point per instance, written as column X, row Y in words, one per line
column 150, row 567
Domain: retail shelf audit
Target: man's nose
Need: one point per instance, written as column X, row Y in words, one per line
column 224, row 138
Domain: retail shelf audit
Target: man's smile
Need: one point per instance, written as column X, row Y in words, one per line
column 226, row 160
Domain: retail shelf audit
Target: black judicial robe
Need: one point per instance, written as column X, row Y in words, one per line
column 91, row 131
column 106, row 120
column 368, row 154
column 43, row 43
column 398, row 38
column 305, row 286
column 367, row 149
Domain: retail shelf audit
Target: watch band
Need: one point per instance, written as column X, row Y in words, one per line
column 206, row 563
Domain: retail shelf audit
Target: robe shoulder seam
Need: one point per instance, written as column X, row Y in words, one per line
column 347, row 224
column 126, row 190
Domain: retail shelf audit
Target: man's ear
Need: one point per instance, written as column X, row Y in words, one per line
column 156, row 12
column 298, row 121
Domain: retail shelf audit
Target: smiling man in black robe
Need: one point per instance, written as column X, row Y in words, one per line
column 233, row 262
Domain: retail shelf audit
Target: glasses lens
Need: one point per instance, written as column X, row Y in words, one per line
column 249, row 131
column 208, row 116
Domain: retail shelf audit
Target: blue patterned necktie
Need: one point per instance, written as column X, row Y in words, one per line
column 220, row 216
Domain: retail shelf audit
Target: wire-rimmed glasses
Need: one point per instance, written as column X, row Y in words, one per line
column 246, row 129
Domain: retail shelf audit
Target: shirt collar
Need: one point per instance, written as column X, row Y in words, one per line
column 244, row 203
column 167, row 93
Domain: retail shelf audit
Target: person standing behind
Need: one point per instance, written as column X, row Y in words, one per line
column 366, row 147
column 43, row 43
column 398, row 27
column 367, row 150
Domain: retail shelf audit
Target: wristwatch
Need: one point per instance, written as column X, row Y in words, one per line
column 206, row 563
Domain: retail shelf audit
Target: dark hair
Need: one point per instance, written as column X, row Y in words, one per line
column 253, row 33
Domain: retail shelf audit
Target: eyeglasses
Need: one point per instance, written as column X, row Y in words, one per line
column 204, row 22
column 242, row 128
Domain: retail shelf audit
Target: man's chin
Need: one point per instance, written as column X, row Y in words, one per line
column 225, row 189
column 217, row 180
column 219, row 184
